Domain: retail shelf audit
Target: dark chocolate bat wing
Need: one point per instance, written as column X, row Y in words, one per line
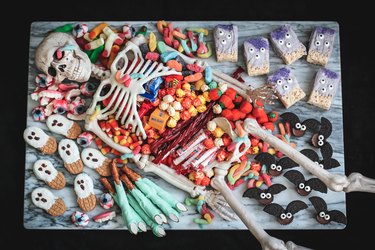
column 294, row 176
column 319, row 204
column 276, row 188
column 274, row 209
column 296, row 206
column 311, row 154
column 317, row 185
column 311, row 125
column 266, row 159
column 330, row 163
column 325, row 127
column 291, row 118
column 252, row 193
column 327, row 151
column 286, row 163
column 337, row 216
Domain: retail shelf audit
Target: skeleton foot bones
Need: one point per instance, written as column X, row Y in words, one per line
column 125, row 82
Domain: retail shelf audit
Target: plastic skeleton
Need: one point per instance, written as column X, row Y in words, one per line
column 126, row 83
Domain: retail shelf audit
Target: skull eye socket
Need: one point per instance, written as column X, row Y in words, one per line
column 40, row 169
column 63, row 148
column 90, row 154
column 68, row 146
column 59, row 54
column 52, row 71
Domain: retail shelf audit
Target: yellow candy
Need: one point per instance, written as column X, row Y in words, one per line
column 199, row 84
column 177, row 116
column 202, row 99
column 271, row 151
column 191, row 176
column 201, row 108
column 206, row 96
column 193, row 95
column 186, row 86
column 171, row 123
column 258, row 183
column 180, row 99
column 218, row 132
column 180, row 49
column 193, row 111
column 152, row 42
column 180, row 93
column 254, row 150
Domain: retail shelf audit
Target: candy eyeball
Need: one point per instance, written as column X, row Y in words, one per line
column 80, row 219
column 289, row 215
column 279, row 82
column 326, row 43
column 268, row 195
column 290, row 80
column 257, row 56
column 106, row 201
column 321, row 137
column 262, row 195
column 285, row 87
column 322, row 214
column 229, row 36
column 330, row 86
column 273, row 166
column 262, row 49
column 323, row 89
column 317, row 43
column 301, row 185
column 283, row 216
column 287, row 35
column 279, row 168
column 323, row 81
column 327, row 217
column 38, row 114
column 288, row 44
column 303, row 127
column 307, row 188
column 321, row 36
column 223, row 41
column 221, row 32
column 298, row 125
column 281, row 42
column 251, row 50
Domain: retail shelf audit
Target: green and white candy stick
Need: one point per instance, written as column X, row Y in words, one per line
column 156, row 229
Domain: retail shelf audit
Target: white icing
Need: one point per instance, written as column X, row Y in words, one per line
column 41, row 171
column 67, row 145
column 86, row 181
column 30, row 138
column 88, row 156
column 55, row 120
column 43, row 193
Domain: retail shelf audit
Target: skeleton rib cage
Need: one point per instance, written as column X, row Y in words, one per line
column 126, row 83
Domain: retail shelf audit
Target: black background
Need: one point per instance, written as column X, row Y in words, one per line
column 357, row 55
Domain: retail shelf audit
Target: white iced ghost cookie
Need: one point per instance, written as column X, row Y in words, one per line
column 38, row 139
column 59, row 124
column 45, row 171
column 69, row 153
column 94, row 159
column 45, row 199
column 84, row 188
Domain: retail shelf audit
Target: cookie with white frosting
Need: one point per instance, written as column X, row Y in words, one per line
column 45, row 171
column 84, row 188
column 38, row 139
column 94, row 159
column 46, row 200
column 69, row 153
column 59, row 124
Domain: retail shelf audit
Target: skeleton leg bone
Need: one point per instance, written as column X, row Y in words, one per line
column 335, row 182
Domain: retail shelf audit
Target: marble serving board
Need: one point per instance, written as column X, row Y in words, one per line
column 35, row 218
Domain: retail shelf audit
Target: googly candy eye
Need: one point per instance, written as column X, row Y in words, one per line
column 289, row 215
column 317, row 163
column 268, row 196
column 323, row 89
column 221, row 32
column 323, row 81
column 322, row 214
column 290, row 80
column 262, row 195
column 303, row 127
column 251, row 50
column 257, row 56
column 273, row 166
column 223, row 41
column 320, row 143
column 321, row 137
column 288, row 44
column 317, row 43
column 327, row 217
column 262, row 49
column 321, row 36
column 229, row 36
column 330, row 86
column 321, row 165
column 298, row 125
column 287, row 35
column 326, row 43
column 279, row 168
column 307, row 188
column 283, row 216
column 301, row 186
column 279, row 82
column 285, row 87
column 281, row 42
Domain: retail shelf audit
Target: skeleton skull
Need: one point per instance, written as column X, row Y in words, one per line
column 59, row 55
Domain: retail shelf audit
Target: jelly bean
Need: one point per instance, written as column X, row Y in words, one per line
column 168, row 55
column 185, row 87
column 79, row 30
column 208, row 74
column 65, row 28
column 201, row 108
column 152, row 42
column 97, row 30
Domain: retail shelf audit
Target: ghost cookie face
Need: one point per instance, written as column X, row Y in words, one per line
column 45, row 171
column 38, row 139
column 46, row 200
column 69, row 153
column 94, row 159
column 59, row 124
column 84, row 188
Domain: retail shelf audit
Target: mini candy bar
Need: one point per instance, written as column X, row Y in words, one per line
column 256, row 51
column 286, row 44
column 226, row 42
column 286, row 85
column 158, row 119
column 151, row 87
column 325, row 87
column 321, row 45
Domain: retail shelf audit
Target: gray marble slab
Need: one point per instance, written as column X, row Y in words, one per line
column 35, row 218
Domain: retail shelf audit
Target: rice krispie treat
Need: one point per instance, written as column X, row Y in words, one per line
column 226, row 43
column 321, row 45
column 256, row 52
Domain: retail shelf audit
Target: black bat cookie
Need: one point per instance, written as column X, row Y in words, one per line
column 304, row 187
column 327, row 162
column 299, row 128
column 325, row 216
column 285, row 216
column 319, row 139
column 275, row 168
column 264, row 196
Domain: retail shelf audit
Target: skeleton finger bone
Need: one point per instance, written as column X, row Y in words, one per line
column 335, row 182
